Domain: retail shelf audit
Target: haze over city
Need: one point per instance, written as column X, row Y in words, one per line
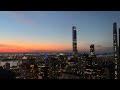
column 26, row 31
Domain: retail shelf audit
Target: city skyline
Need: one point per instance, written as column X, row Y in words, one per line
column 26, row 31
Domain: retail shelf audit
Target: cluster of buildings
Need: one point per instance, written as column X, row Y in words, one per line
column 63, row 66
column 93, row 67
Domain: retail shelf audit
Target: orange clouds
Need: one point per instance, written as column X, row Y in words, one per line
column 7, row 48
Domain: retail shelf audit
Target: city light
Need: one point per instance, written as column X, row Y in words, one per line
column 44, row 59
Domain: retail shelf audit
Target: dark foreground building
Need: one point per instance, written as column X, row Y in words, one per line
column 6, row 74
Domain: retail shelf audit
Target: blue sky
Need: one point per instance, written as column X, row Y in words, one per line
column 30, row 29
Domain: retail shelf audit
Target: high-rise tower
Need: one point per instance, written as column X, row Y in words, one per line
column 119, row 41
column 93, row 58
column 92, row 50
column 74, row 34
column 115, row 45
column 119, row 56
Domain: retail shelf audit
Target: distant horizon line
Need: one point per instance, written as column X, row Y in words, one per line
column 53, row 52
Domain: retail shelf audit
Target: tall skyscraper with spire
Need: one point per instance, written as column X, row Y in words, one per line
column 74, row 37
column 115, row 45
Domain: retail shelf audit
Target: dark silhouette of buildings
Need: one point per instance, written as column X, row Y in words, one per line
column 6, row 74
column 7, row 66
column 28, row 69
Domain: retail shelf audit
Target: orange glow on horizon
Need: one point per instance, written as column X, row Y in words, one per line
column 31, row 47
column 32, row 50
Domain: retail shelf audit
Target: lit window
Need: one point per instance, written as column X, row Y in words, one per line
column 115, row 66
column 116, row 73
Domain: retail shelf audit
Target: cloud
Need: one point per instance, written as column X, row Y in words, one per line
column 3, row 45
column 105, row 50
column 20, row 17
column 99, row 46
column 12, row 48
column 9, row 46
column 96, row 46
column 6, row 45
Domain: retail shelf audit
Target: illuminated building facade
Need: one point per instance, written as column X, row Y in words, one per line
column 115, row 45
column 74, row 34
column 95, row 73
column 45, row 72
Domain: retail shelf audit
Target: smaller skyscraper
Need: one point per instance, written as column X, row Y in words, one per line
column 92, row 50
column 92, row 57
column 7, row 66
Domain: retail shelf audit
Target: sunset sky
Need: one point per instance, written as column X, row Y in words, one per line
column 22, row 31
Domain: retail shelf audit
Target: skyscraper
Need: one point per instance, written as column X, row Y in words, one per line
column 92, row 50
column 74, row 32
column 119, row 41
column 7, row 66
column 92, row 55
column 115, row 45
column 119, row 56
